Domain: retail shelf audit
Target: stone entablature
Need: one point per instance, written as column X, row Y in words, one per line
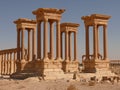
column 48, row 13
column 98, row 19
column 25, row 23
column 70, row 27
column 8, row 50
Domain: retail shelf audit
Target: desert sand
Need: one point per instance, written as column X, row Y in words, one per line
column 35, row 83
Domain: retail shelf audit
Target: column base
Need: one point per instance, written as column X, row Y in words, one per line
column 59, row 59
column 93, row 65
column 70, row 66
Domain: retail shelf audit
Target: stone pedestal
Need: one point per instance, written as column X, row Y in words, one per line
column 70, row 66
column 51, row 69
column 92, row 66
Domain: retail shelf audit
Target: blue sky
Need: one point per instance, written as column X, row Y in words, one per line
column 11, row 10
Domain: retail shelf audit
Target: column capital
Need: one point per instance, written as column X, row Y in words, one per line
column 34, row 29
column 23, row 28
column 28, row 30
column 58, row 21
column 95, row 24
column 51, row 21
column 105, row 25
column 45, row 19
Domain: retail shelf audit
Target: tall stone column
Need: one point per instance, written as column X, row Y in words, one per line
column 66, row 46
column 39, row 40
column 70, row 51
column 98, row 40
column 22, row 45
column 58, row 37
column 45, row 39
column 14, row 61
column 34, row 44
column 61, row 46
column 29, row 45
column 75, row 46
column 11, row 64
column 51, row 41
column 87, row 42
column 18, row 44
column 95, row 41
column 105, row 42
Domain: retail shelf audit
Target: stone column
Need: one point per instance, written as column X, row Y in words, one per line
column 87, row 42
column 34, row 44
column 14, row 56
column 66, row 46
column 45, row 39
column 8, row 63
column 14, row 61
column 39, row 40
column 95, row 41
column 98, row 40
column 0, row 63
column 51, row 41
column 58, row 37
column 105, row 42
column 69, row 45
column 11, row 63
column 5, row 64
column 18, row 44
column 61, row 46
column 29, row 45
column 75, row 46
column 22, row 45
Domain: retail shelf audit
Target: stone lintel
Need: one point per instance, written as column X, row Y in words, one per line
column 48, row 10
column 25, row 23
column 72, row 27
column 8, row 50
column 25, row 20
column 98, row 19
column 48, row 13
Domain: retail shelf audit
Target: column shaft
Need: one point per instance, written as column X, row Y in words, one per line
column 66, row 46
column 61, row 46
column 75, row 46
column 51, row 41
column 58, row 37
column 87, row 42
column 70, row 51
column 95, row 42
column 22, row 45
column 39, row 40
column 98, row 40
column 18, row 44
column 34, row 44
column 45, row 39
column 29, row 45
column 105, row 42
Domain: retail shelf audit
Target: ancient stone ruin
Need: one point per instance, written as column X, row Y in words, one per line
column 47, row 61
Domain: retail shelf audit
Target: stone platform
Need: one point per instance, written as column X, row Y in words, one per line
column 93, row 66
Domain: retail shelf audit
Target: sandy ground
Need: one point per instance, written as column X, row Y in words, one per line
column 36, row 84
